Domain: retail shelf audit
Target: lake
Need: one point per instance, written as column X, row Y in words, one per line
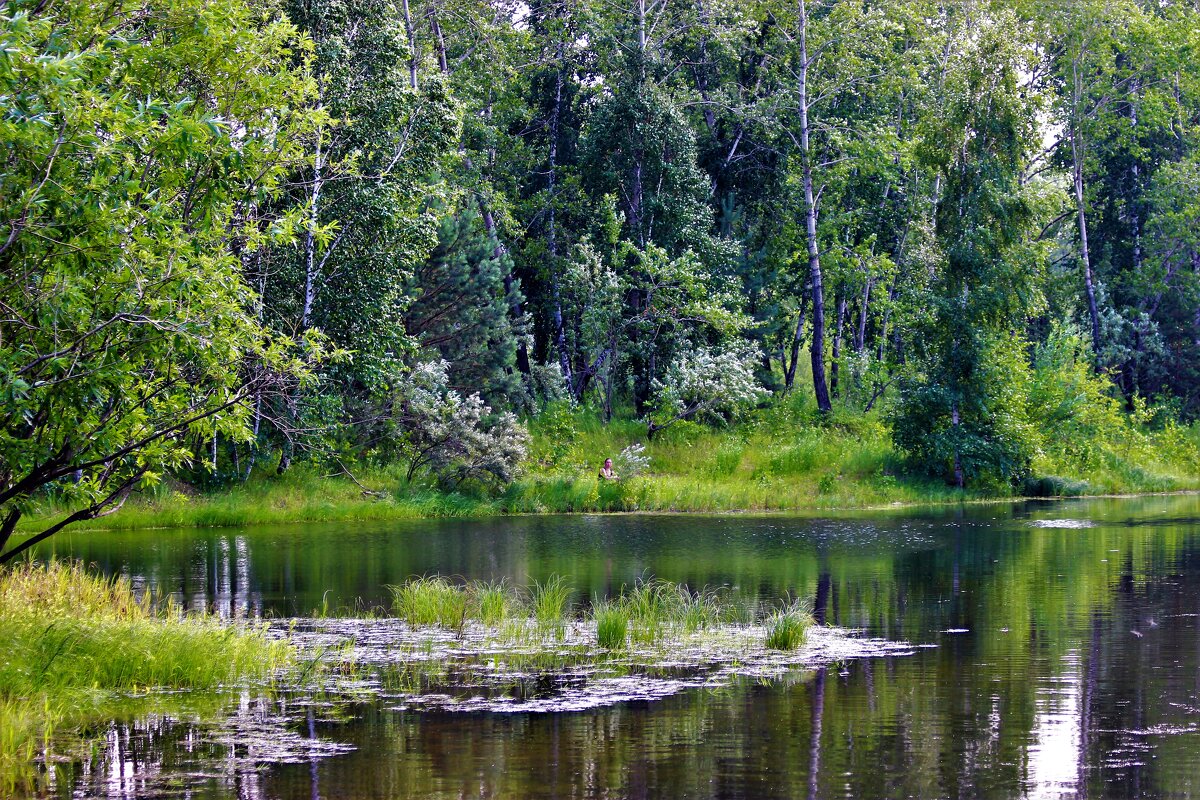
column 1056, row 653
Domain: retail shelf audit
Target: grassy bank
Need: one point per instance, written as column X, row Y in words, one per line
column 77, row 647
column 782, row 460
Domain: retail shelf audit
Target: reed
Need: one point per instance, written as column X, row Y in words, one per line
column 612, row 625
column 551, row 601
column 493, row 602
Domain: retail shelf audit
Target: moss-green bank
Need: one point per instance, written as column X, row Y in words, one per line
column 78, row 647
column 782, row 460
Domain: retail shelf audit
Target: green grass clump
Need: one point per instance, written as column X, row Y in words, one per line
column 550, row 601
column 788, row 627
column 492, row 603
column 612, row 625
column 431, row 601
column 74, row 642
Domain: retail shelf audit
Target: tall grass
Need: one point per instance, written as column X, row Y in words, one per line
column 650, row 613
column 550, row 601
column 431, row 601
column 612, row 625
column 71, row 640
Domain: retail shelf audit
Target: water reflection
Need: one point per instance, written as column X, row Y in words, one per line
column 1075, row 671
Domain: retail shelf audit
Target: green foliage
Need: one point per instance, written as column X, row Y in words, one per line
column 461, row 299
column 612, row 625
column 138, row 137
column 73, row 641
column 551, row 601
column 431, row 601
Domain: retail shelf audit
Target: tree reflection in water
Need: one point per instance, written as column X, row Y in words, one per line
column 1077, row 676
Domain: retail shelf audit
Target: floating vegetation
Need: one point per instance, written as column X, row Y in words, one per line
column 1075, row 524
column 486, row 647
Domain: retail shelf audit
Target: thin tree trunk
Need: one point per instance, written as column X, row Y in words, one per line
column 310, row 237
column 1077, row 154
column 835, row 365
column 412, row 44
column 560, row 334
column 797, row 339
column 817, row 348
column 959, row 478
column 439, row 41
column 860, row 338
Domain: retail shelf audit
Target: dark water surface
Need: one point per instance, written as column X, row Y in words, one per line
column 1067, row 659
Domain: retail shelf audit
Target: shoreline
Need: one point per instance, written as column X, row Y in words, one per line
column 186, row 513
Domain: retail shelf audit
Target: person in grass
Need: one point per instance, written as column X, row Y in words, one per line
column 607, row 473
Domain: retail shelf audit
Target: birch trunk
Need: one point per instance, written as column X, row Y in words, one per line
column 817, row 349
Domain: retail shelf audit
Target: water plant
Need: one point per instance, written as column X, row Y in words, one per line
column 612, row 625
column 492, row 602
column 788, row 626
column 432, row 600
column 550, row 601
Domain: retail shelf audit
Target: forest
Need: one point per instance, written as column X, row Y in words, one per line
column 446, row 239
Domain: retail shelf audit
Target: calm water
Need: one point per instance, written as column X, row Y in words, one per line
column 1067, row 659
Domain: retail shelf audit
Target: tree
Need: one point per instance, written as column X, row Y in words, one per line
column 962, row 416
column 459, row 310
column 136, row 137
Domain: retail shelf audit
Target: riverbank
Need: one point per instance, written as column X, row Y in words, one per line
column 776, row 463
column 79, row 647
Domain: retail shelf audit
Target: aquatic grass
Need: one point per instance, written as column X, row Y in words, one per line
column 652, row 606
column 550, row 601
column 492, row 603
column 612, row 625
column 788, row 627
column 699, row 610
column 431, row 600
column 72, row 642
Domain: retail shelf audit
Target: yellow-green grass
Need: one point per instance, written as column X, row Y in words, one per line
column 782, row 460
column 77, row 647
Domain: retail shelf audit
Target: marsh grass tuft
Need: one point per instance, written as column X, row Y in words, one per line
column 431, row 600
column 492, row 603
column 550, row 601
column 788, row 627
column 612, row 625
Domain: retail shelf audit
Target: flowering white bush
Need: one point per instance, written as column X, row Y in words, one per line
column 449, row 434
column 632, row 461
column 706, row 381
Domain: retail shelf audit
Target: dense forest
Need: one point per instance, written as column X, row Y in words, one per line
column 238, row 235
